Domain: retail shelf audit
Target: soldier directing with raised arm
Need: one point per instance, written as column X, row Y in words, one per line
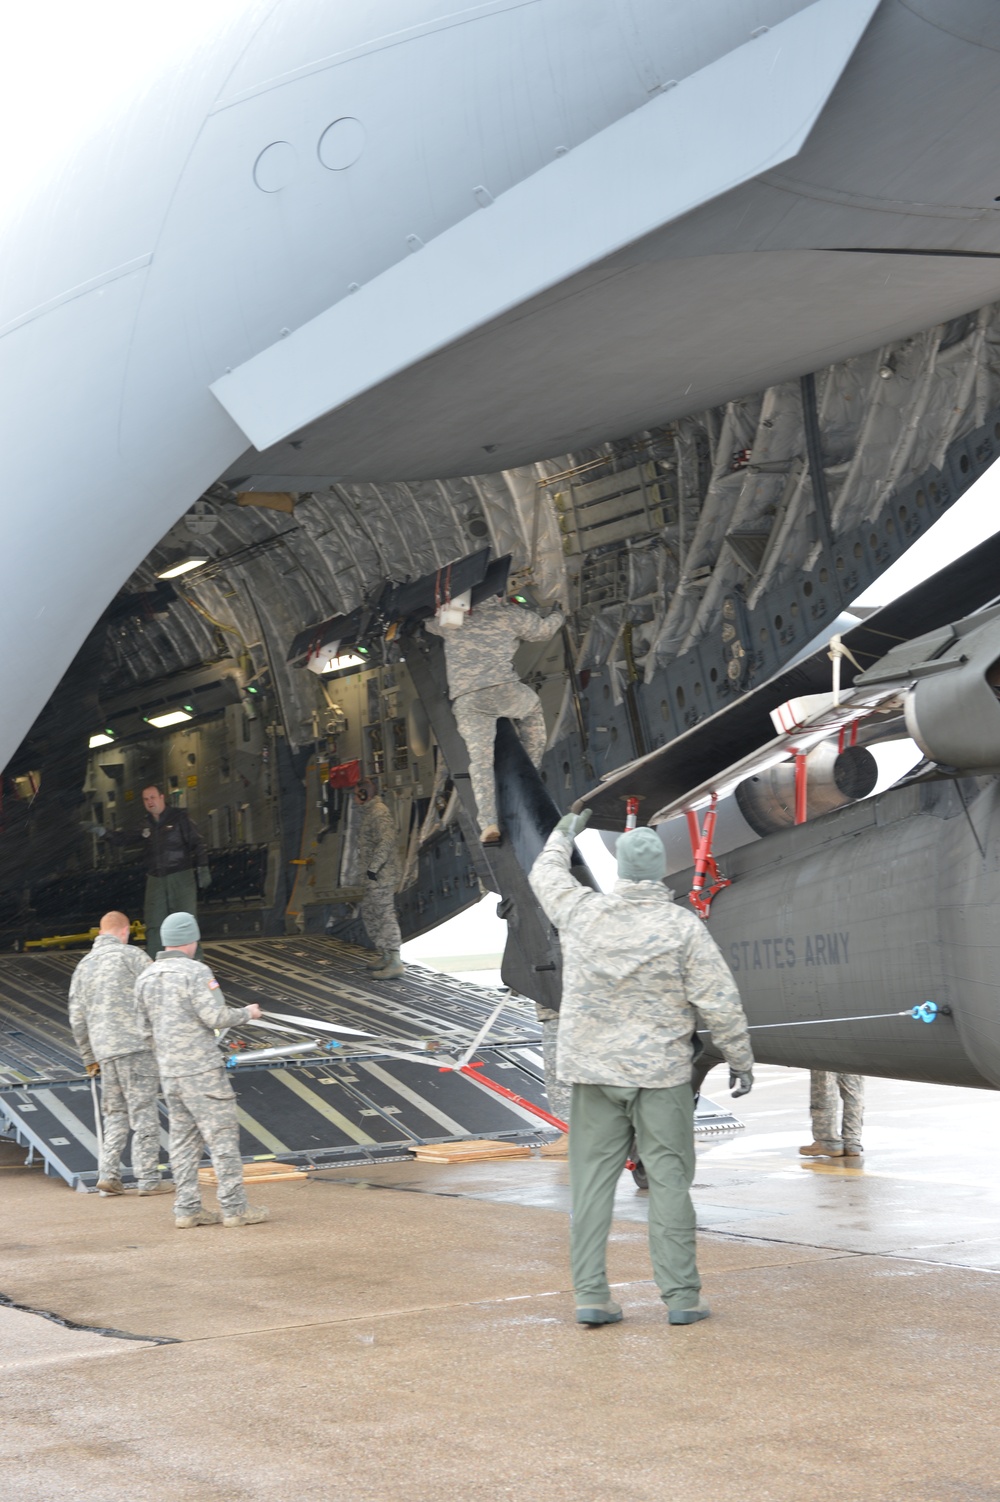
column 115, row 1042
column 381, row 872
column 479, row 653
column 184, row 1005
column 635, row 969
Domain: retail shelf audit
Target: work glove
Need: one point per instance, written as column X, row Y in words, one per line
column 204, row 877
column 93, row 1069
column 740, row 1082
column 373, row 876
column 572, row 824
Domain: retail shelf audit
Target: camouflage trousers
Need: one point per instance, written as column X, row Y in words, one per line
column 378, row 913
column 557, row 1092
column 823, row 1090
column 476, row 716
column 203, row 1115
column 129, row 1087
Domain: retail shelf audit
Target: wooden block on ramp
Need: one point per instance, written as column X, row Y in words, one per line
column 256, row 1173
column 475, row 1151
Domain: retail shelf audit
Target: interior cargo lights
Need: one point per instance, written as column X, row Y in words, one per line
column 183, row 567
column 102, row 738
column 169, row 717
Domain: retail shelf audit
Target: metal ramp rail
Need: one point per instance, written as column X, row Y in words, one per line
column 362, row 1110
column 316, row 1110
column 41, row 1118
column 365, row 1111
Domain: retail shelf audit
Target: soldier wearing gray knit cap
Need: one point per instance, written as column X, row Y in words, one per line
column 183, row 1005
column 637, row 969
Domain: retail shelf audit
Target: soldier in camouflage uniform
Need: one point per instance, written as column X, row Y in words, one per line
column 183, row 1005
column 115, row 1043
column 829, row 1139
column 484, row 686
column 635, row 969
column 380, row 864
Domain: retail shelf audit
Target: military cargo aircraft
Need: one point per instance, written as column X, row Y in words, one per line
column 683, row 318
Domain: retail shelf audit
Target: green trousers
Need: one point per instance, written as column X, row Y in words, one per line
column 603, row 1120
column 176, row 893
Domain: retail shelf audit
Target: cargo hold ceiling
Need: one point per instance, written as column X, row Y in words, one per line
column 673, row 548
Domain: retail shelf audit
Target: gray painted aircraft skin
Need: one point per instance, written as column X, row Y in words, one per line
column 382, row 242
column 398, row 237
column 838, row 927
column 874, row 909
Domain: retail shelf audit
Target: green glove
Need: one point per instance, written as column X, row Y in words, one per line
column 204, row 877
column 572, row 824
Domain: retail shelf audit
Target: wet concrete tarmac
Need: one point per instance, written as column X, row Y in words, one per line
column 406, row 1333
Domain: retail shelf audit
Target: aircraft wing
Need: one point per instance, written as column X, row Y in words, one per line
column 719, row 750
column 660, row 162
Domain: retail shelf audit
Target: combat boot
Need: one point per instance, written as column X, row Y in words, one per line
column 253, row 1215
column 817, row 1150
column 392, row 968
column 377, row 959
column 490, row 835
column 689, row 1316
column 558, row 1148
column 198, row 1218
column 108, row 1187
column 157, row 1188
column 853, row 1150
column 599, row 1314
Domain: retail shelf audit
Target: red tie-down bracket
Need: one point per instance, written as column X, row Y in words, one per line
column 706, row 867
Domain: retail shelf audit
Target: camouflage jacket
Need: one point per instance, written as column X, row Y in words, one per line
column 102, row 1010
column 635, row 969
column 184, row 1005
column 377, row 842
column 480, row 652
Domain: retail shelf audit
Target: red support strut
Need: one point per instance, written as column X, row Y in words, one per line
column 801, row 787
column 705, row 864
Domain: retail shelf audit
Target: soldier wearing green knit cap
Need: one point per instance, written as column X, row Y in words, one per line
column 637, row 969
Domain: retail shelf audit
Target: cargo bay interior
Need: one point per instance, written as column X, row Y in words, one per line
column 694, row 561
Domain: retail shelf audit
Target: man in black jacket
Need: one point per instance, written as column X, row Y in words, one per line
column 175, row 852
